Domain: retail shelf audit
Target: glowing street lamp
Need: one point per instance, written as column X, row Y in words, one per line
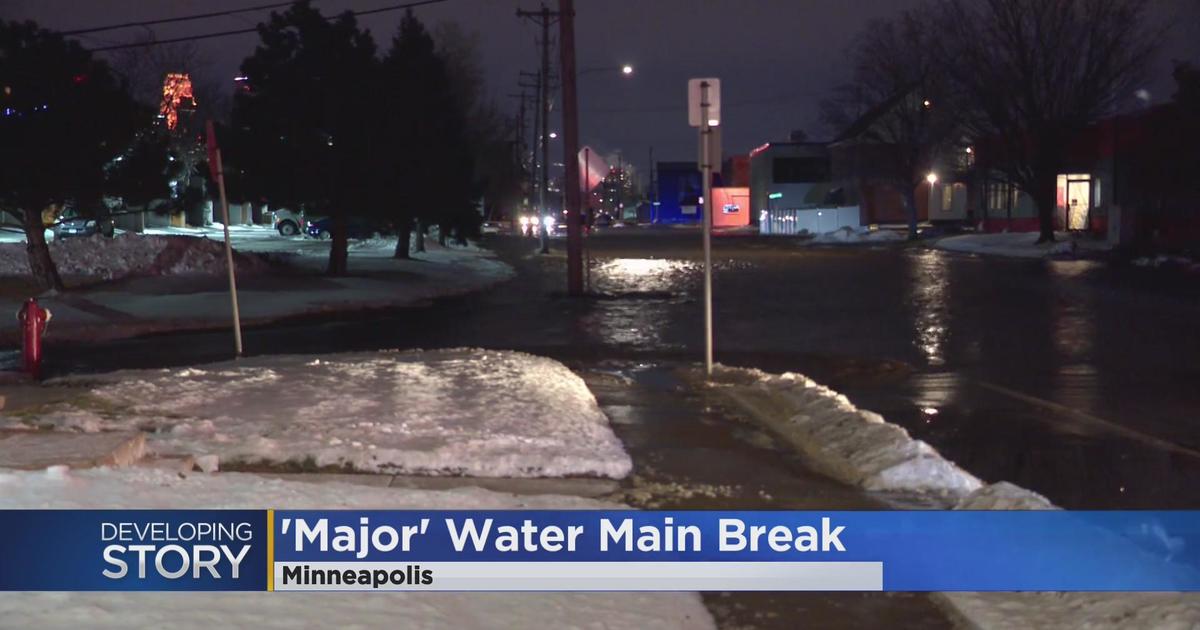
column 626, row 70
column 931, row 178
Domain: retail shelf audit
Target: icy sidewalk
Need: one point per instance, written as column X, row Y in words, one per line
column 153, row 489
column 178, row 282
column 860, row 447
column 447, row 412
column 1021, row 245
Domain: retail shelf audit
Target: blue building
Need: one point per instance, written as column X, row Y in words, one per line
column 677, row 193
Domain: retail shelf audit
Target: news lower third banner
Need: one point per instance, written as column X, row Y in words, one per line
column 578, row 550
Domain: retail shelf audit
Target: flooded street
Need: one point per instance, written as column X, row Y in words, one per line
column 1073, row 378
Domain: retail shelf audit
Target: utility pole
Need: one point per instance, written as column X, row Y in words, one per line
column 570, row 105
column 544, row 18
column 535, row 138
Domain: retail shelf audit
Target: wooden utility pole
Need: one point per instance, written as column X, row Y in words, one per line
column 566, row 47
column 544, row 18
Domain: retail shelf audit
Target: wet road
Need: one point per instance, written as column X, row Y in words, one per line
column 1073, row 378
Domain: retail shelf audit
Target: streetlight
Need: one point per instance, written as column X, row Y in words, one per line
column 931, row 178
column 626, row 69
column 553, row 135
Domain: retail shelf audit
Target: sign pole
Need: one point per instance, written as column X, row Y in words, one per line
column 706, row 208
column 219, row 175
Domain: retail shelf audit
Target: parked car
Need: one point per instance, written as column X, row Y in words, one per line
column 71, row 223
column 356, row 229
column 289, row 223
column 495, row 227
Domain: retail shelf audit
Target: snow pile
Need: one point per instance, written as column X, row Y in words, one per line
column 459, row 412
column 859, row 447
column 1004, row 496
column 847, row 236
column 1020, row 611
column 844, row 442
column 155, row 489
column 125, row 255
column 1020, row 245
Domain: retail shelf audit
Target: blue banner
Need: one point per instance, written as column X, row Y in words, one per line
column 255, row 550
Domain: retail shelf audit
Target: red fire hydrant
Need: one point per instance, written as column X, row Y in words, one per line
column 33, row 320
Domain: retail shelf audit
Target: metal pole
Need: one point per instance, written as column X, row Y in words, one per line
column 587, row 194
column 570, row 117
column 705, row 207
column 545, row 105
column 233, row 298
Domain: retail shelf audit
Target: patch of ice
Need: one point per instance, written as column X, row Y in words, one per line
column 465, row 411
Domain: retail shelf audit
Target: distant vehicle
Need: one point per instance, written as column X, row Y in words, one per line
column 72, row 224
column 356, row 229
column 289, row 223
column 495, row 227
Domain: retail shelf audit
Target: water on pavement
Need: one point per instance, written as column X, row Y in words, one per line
column 1073, row 378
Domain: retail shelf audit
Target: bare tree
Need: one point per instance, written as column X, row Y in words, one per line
column 894, row 105
column 1031, row 74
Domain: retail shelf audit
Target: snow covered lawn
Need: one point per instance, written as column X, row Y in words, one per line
column 176, row 281
column 445, row 412
column 99, row 258
column 1021, row 245
column 155, row 489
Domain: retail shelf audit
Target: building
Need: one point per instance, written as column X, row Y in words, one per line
column 788, row 175
column 678, row 192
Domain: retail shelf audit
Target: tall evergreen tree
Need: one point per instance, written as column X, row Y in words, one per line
column 306, row 125
column 64, row 118
column 431, row 165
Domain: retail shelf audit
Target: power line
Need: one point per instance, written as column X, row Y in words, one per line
column 244, row 31
column 183, row 18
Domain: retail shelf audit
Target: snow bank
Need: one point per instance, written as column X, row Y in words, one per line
column 156, row 489
column 1022, row 611
column 859, row 447
column 844, row 442
column 1004, row 496
column 1019, row 245
column 847, row 235
column 125, row 255
column 458, row 412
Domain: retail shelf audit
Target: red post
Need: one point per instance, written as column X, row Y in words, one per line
column 570, row 116
column 33, row 320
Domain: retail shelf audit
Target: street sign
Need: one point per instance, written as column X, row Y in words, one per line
column 714, row 102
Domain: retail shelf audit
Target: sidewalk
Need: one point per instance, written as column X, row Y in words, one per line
column 467, row 414
column 160, row 290
column 1022, row 245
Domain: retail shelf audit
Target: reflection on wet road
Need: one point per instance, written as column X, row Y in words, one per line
column 1075, row 379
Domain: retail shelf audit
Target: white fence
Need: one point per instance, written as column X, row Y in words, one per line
column 810, row 220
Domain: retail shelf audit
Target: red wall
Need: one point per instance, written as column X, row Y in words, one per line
column 731, row 196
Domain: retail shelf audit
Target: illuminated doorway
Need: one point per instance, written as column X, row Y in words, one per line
column 1075, row 197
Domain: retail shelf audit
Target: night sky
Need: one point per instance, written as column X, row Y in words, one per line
column 776, row 59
